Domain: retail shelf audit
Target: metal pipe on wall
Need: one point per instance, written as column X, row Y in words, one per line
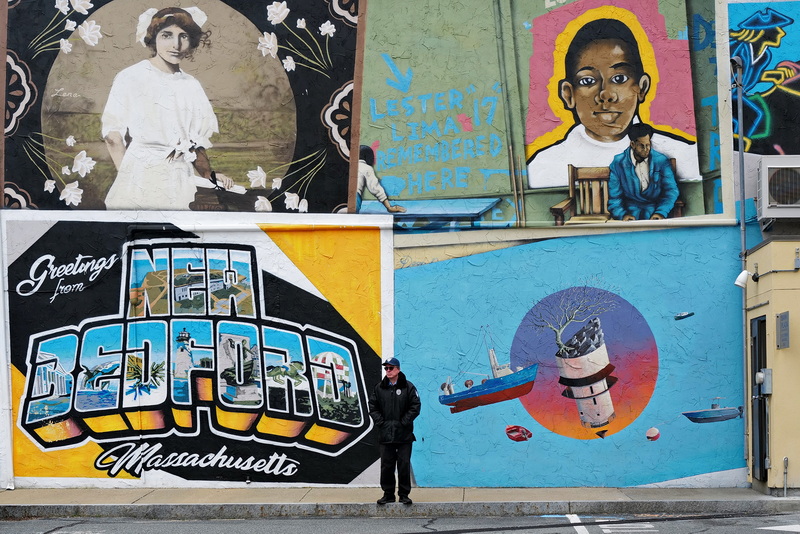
column 738, row 67
column 785, row 474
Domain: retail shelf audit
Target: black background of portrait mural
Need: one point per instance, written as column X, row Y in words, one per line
column 312, row 93
column 35, row 314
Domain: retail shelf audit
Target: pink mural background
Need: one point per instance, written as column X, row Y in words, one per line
column 673, row 104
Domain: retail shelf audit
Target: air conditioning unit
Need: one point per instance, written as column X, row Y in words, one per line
column 779, row 188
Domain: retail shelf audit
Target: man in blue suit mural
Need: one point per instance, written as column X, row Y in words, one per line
column 641, row 181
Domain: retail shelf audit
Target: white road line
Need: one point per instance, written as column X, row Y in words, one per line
column 638, row 528
column 579, row 528
column 787, row 528
column 633, row 527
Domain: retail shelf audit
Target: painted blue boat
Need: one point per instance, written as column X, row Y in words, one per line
column 714, row 414
column 502, row 388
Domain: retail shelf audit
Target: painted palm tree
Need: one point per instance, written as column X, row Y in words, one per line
column 142, row 384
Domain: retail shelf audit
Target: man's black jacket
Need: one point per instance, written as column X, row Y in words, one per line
column 394, row 408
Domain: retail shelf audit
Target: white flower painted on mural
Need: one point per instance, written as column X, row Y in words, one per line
column 63, row 6
column 303, row 207
column 65, row 45
column 82, row 164
column 277, row 12
column 262, row 204
column 70, row 26
column 70, row 140
column 292, row 201
column 71, row 194
column 288, row 63
column 327, row 29
column 90, row 32
column 301, row 24
column 49, row 185
column 258, row 178
column 276, row 183
column 65, row 170
column 81, row 6
column 268, row 44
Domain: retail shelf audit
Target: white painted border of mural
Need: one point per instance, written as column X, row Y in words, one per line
column 201, row 223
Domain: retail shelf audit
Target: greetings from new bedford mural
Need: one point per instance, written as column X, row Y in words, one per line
column 132, row 104
column 159, row 349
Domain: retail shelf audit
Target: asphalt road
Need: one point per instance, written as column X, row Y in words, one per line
column 556, row 524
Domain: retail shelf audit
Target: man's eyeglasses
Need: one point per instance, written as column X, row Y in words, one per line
column 389, row 367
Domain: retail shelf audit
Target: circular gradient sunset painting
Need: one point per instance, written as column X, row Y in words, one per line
column 598, row 362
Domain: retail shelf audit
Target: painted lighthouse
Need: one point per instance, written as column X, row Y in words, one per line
column 183, row 361
column 585, row 372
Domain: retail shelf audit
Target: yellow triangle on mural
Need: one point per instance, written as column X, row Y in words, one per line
column 343, row 263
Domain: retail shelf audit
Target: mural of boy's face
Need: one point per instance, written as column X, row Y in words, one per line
column 605, row 91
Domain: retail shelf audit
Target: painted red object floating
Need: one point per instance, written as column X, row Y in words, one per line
column 653, row 434
column 518, row 433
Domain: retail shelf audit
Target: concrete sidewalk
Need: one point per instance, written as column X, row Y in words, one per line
column 246, row 503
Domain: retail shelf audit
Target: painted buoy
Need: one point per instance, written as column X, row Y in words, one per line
column 653, row 434
column 518, row 433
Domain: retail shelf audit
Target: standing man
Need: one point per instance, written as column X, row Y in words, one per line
column 393, row 405
column 641, row 183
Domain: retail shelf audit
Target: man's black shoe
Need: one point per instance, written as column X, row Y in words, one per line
column 386, row 498
column 405, row 500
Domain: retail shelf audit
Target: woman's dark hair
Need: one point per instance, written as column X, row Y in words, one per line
column 181, row 18
column 366, row 153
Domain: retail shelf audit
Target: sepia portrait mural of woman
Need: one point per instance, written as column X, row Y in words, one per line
column 158, row 121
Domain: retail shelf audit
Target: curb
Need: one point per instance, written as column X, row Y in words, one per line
column 476, row 509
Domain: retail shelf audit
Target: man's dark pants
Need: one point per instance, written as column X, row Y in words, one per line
column 396, row 455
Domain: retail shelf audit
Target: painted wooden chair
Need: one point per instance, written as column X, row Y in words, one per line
column 588, row 197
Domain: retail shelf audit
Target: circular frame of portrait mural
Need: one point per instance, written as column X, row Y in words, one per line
column 250, row 93
column 597, row 358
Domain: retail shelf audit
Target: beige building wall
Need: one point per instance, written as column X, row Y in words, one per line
column 777, row 290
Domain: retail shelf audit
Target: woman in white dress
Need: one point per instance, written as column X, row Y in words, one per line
column 157, row 122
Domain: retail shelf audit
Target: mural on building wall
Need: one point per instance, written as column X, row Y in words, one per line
column 605, row 74
column 562, row 335
column 219, row 105
column 586, row 340
column 435, row 144
column 611, row 68
column 612, row 371
column 463, row 148
column 505, row 384
column 436, row 98
column 764, row 35
column 160, row 352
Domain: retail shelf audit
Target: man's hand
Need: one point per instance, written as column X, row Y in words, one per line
column 396, row 209
column 224, row 181
column 628, row 217
column 656, row 217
